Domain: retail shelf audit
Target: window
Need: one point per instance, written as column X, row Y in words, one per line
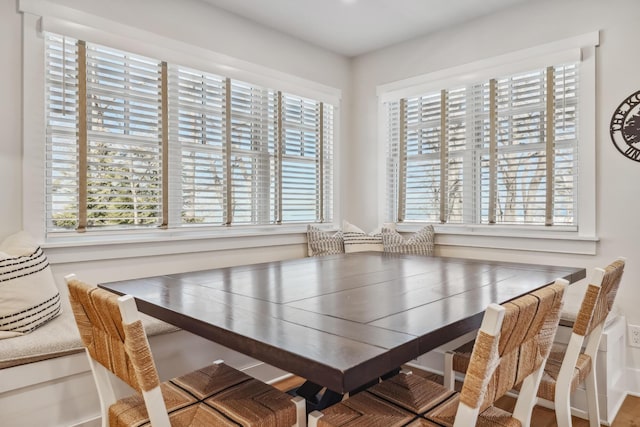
column 498, row 151
column 136, row 142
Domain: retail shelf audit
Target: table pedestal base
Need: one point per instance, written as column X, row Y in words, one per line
column 318, row 397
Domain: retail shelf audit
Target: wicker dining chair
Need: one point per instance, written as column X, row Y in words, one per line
column 569, row 365
column 511, row 347
column 216, row 395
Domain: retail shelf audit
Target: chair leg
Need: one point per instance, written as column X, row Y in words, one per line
column 562, row 405
column 527, row 398
column 105, row 390
column 301, row 411
column 314, row 417
column 449, row 375
column 590, row 385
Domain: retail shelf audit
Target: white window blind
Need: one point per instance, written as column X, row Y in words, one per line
column 502, row 151
column 251, row 153
column 124, row 170
column 197, row 105
column 61, row 112
column 565, row 169
column 456, row 145
column 302, row 159
column 394, row 162
column 133, row 141
column 422, row 171
column 326, row 159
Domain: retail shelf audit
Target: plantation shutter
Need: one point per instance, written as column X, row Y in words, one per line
column 302, row 159
column 481, row 141
column 327, row 169
column 454, row 161
column 422, row 139
column 198, row 126
column 565, row 186
column 124, row 140
column 395, row 159
column 250, row 153
column 61, row 113
column 521, row 149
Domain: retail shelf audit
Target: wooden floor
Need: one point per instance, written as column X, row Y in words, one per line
column 628, row 416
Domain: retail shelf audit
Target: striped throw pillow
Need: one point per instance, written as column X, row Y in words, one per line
column 322, row 243
column 420, row 243
column 28, row 294
column 356, row 240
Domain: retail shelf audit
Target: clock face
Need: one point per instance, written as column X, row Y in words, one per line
column 625, row 127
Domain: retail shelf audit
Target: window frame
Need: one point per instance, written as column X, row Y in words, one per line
column 118, row 36
column 581, row 239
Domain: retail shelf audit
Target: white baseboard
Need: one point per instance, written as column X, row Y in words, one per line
column 633, row 381
column 93, row 422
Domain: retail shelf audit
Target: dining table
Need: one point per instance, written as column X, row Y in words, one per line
column 338, row 321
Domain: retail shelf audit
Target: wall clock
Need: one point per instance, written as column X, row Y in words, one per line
column 625, row 127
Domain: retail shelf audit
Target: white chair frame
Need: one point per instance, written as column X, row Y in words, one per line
column 158, row 414
column 466, row 415
column 562, row 401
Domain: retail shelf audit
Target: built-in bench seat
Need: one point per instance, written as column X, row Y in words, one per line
column 47, row 372
column 57, row 338
column 45, row 377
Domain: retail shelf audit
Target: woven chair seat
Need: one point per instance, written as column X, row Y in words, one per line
column 365, row 410
column 183, row 409
column 420, row 403
column 445, row 414
column 547, row 388
column 215, row 395
column 421, row 422
column 411, row 392
column 254, row 403
column 462, row 356
column 433, row 401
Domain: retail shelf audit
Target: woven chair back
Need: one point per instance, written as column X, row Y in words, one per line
column 121, row 348
column 598, row 301
column 499, row 363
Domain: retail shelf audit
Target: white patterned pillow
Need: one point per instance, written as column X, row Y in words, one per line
column 420, row 243
column 356, row 240
column 28, row 294
column 321, row 243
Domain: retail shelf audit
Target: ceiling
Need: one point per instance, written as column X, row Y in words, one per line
column 354, row 27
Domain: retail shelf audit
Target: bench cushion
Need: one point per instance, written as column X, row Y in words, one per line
column 57, row 338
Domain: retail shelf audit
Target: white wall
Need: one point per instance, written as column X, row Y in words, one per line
column 202, row 25
column 10, row 119
column 531, row 24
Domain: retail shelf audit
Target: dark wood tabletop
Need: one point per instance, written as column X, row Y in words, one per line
column 341, row 320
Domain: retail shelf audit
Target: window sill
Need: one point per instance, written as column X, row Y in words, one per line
column 97, row 245
column 92, row 246
column 564, row 240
